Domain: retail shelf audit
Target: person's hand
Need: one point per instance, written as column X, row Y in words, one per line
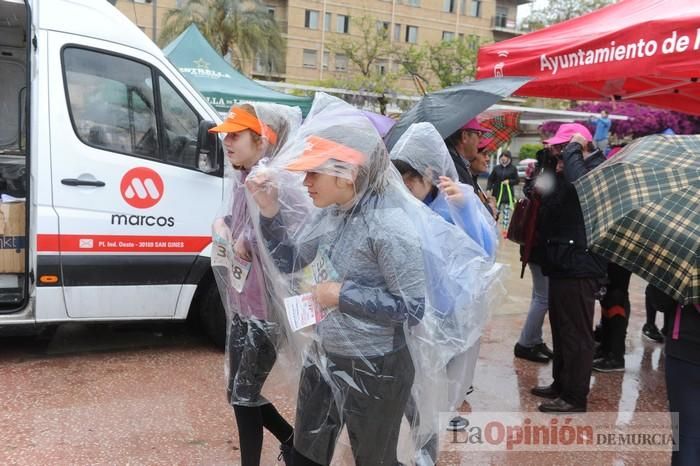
column 327, row 294
column 240, row 248
column 264, row 194
column 578, row 137
column 451, row 190
column 222, row 234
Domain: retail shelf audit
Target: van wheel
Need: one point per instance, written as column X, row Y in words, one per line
column 212, row 315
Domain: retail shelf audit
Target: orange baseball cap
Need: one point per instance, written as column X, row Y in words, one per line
column 320, row 150
column 239, row 119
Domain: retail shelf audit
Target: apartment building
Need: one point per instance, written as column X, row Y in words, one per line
column 503, row 22
column 310, row 26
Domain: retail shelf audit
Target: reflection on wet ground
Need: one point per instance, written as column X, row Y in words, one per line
column 153, row 393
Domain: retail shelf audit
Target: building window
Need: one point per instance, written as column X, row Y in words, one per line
column 342, row 24
column 463, row 7
column 309, row 58
column 327, row 22
column 449, row 5
column 383, row 26
column 448, row 35
column 382, row 66
column 271, row 11
column 476, row 8
column 412, row 2
column 341, row 62
column 411, row 34
column 326, row 59
column 501, row 18
column 311, row 19
column 397, row 32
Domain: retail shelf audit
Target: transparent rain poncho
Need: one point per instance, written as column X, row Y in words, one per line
column 254, row 334
column 408, row 291
column 422, row 147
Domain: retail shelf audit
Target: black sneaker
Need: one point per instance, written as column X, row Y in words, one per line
column 609, row 364
column 457, row 423
column 651, row 332
column 531, row 354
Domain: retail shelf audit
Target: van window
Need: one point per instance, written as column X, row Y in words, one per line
column 180, row 127
column 111, row 101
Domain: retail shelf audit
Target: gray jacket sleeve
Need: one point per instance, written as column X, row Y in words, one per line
column 287, row 255
column 397, row 250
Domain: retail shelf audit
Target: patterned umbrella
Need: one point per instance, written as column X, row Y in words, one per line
column 503, row 128
column 642, row 212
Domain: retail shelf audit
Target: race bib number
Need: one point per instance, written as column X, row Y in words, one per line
column 237, row 268
column 302, row 311
column 220, row 255
column 239, row 273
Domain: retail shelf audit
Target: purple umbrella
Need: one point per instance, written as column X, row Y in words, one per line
column 381, row 122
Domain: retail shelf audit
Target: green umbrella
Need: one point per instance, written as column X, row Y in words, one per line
column 642, row 212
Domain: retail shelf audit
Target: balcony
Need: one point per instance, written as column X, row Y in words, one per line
column 503, row 25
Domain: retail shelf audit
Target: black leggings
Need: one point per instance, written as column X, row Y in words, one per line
column 250, row 421
column 251, row 355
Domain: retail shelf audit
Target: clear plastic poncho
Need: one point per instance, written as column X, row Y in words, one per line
column 408, row 291
column 254, row 335
column 422, row 147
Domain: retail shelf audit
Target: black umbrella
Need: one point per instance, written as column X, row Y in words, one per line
column 450, row 108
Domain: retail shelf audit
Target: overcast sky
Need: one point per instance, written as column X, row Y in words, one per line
column 524, row 10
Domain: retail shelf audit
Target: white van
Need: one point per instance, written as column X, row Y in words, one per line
column 109, row 179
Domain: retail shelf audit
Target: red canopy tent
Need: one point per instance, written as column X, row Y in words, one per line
column 646, row 51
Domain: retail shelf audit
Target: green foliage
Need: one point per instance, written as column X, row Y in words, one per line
column 364, row 53
column 453, row 61
column 441, row 65
column 561, row 10
column 244, row 29
column 529, row 151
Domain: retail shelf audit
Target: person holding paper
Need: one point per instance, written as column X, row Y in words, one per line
column 253, row 133
column 358, row 371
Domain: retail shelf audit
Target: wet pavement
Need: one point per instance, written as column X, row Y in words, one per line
column 152, row 394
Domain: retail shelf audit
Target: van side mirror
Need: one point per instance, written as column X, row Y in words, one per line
column 209, row 151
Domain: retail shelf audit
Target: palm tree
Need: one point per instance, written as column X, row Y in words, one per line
column 242, row 29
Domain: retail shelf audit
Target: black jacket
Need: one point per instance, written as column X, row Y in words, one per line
column 462, row 166
column 498, row 174
column 561, row 224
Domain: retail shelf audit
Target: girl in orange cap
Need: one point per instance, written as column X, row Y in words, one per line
column 357, row 370
column 253, row 132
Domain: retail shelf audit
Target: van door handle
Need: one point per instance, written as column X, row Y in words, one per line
column 77, row 182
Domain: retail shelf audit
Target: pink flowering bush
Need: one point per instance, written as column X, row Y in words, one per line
column 643, row 120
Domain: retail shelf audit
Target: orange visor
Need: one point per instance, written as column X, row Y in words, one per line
column 239, row 120
column 319, row 150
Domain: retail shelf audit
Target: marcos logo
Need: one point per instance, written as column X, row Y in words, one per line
column 142, row 187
